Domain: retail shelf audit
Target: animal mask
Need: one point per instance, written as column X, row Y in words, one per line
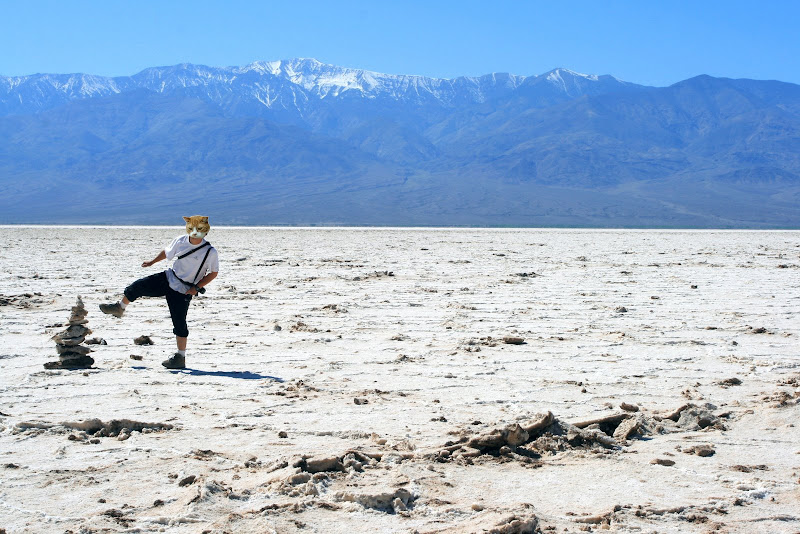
column 197, row 226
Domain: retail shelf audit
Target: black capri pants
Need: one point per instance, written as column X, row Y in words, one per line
column 157, row 285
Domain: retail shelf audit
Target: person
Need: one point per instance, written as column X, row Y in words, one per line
column 196, row 265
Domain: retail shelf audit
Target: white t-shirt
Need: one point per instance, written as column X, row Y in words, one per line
column 186, row 268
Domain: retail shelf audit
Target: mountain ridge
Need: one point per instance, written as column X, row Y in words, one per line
column 315, row 78
column 302, row 142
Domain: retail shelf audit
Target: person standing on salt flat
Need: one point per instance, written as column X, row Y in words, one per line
column 196, row 265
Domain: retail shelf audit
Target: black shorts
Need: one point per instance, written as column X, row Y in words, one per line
column 157, row 285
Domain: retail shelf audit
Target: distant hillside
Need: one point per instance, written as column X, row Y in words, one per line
column 300, row 142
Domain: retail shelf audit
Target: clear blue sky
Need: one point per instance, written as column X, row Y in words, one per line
column 645, row 41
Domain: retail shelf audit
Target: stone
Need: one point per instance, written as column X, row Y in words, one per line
column 72, row 349
column 143, row 340
column 512, row 435
column 78, row 361
column 663, row 461
column 319, row 464
column 697, row 418
column 73, row 335
column 298, row 478
column 704, row 450
column 627, row 428
column 730, row 382
column 69, row 342
column 78, row 316
column 72, row 353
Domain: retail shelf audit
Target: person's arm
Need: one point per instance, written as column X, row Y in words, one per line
column 203, row 282
column 161, row 256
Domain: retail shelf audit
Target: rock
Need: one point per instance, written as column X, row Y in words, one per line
column 187, row 481
column 350, row 462
column 143, row 340
column 79, row 362
column 72, row 354
column 697, row 418
column 360, row 401
column 136, row 357
column 701, row 450
column 96, row 341
column 516, row 435
column 627, row 428
column 730, row 382
column 69, row 342
column 73, row 349
column 283, row 434
column 74, row 359
column 536, row 426
column 319, row 464
column 621, row 309
column 73, row 335
column 629, row 407
column 380, row 500
column 398, row 505
column 663, row 461
column 513, row 340
column 513, row 435
column 605, row 422
column 78, row 315
column 298, row 478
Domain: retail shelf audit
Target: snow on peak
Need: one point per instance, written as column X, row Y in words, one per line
column 291, row 82
column 557, row 75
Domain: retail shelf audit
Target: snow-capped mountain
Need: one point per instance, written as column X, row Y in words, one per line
column 295, row 85
column 302, row 142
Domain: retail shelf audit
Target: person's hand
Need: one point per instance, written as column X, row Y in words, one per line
column 147, row 263
column 192, row 291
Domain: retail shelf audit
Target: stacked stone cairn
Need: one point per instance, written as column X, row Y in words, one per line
column 72, row 353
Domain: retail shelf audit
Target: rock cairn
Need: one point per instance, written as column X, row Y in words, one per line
column 72, row 353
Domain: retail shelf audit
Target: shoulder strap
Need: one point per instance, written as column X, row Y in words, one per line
column 206, row 244
column 194, row 281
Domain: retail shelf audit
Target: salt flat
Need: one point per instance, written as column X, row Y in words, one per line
column 349, row 380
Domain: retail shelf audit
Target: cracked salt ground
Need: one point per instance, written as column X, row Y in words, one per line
column 677, row 415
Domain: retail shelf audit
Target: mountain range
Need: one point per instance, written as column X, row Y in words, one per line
column 300, row 142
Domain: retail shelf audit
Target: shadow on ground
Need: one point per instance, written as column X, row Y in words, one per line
column 243, row 375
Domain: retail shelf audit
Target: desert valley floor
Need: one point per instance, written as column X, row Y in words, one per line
column 408, row 380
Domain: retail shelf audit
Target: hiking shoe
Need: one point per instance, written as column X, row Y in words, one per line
column 176, row 361
column 112, row 309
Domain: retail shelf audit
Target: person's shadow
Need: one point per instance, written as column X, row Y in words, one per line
column 242, row 375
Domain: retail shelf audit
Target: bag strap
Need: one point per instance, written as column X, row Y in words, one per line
column 202, row 265
column 206, row 244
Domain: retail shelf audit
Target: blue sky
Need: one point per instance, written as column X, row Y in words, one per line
column 646, row 41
